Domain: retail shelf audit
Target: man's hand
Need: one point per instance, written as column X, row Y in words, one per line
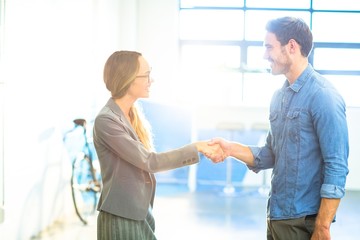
column 321, row 233
column 212, row 151
column 219, row 156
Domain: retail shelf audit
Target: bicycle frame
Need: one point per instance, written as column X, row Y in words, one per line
column 85, row 178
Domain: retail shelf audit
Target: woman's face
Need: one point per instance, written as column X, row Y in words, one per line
column 140, row 87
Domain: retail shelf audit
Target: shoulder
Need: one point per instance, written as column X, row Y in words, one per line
column 327, row 100
column 323, row 89
column 108, row 122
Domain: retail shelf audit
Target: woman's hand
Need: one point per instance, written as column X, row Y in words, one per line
column 212, row 150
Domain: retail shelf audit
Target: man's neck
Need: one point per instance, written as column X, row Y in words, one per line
column 296, row 70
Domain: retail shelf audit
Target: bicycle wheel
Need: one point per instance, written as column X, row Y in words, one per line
column 84, row 187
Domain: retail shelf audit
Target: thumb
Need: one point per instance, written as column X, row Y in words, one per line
column 211, row 142
column 214, row 141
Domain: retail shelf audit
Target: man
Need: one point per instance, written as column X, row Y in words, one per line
column 307, row 145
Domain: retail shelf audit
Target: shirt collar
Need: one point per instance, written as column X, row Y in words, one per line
column 300, row 82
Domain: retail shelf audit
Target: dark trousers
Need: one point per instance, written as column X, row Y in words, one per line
column 294, row 229
column 112, row 227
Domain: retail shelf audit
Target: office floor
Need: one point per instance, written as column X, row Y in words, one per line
column 210, row 214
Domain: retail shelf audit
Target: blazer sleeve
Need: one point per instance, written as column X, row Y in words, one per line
column 115, row 136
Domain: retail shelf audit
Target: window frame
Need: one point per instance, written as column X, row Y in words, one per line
column 245, row 44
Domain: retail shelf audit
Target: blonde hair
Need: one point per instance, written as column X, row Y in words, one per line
column 142, row 127
column 120, row 71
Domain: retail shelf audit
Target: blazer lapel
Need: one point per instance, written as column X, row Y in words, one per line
column 117, row 110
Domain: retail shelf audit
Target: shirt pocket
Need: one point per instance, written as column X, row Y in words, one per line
column 293, row 125
column 275, row 122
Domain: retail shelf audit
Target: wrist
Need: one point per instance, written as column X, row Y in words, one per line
column 199, row 146
column 322, row 225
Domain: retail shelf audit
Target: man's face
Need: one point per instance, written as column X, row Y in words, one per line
column 276, row 54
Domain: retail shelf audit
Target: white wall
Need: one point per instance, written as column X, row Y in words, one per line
column 158, row 40
column 52, row 59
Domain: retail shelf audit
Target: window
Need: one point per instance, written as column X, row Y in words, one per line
column 278, row 4
column 256, row 20
column 211, row 25
column 210, row 3
column 341, row 59
column 339, row 27
column 221, row 47
column 346, row 5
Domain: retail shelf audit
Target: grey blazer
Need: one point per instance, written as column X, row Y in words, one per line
column 127, row 167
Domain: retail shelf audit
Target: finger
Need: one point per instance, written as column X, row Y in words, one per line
column 212, row 142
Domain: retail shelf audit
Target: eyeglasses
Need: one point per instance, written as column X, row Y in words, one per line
column 149, row 78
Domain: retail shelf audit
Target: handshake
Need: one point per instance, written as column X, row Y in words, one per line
column 217, row 149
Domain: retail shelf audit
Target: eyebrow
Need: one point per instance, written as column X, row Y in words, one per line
column 148, row 71
column 267, row 45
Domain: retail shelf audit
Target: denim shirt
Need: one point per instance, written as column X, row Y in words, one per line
column 307, row 147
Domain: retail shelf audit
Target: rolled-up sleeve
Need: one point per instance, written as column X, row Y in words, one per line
column 332, row 191
column 263, row 158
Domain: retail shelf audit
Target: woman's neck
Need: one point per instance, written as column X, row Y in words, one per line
column 125, row 105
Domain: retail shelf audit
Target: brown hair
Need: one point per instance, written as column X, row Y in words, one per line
column 286, row 28
column 120, row 71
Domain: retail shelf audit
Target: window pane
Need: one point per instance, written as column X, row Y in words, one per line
column 337, row 59
column 210, row 57
column 211, row 24
column 278, row 3
column 259, row 88
column 336, row 27
column 348, row 87
column 210, row 88
column 255, row 60
column 209, row 70
column 255, row 21
column 211, row 3
column 336, row 5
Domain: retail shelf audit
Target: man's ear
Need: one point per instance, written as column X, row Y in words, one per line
column 293, row 46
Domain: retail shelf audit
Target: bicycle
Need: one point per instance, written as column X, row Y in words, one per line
column 85, row 180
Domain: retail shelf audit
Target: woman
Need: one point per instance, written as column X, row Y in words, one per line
column 124, row 147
